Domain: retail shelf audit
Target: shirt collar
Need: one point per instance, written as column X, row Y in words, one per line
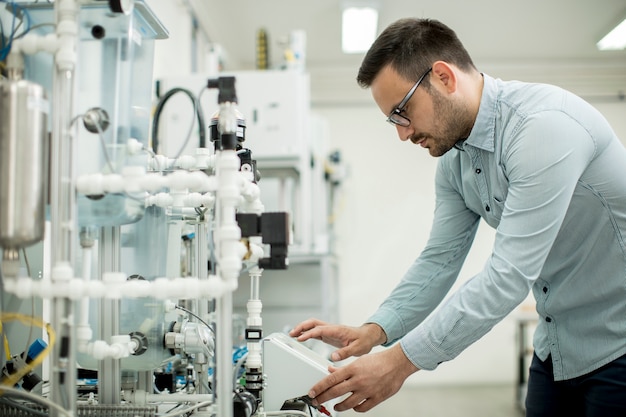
column 482, row 135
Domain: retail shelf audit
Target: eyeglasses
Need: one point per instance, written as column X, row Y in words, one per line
column 395, row 117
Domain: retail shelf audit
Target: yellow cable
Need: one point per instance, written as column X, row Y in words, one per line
column 12, row 379
column 7, row 350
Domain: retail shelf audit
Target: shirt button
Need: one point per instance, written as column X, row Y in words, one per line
column 478, row 170
column 487, row 208
column 548, row 319
column 545, row 289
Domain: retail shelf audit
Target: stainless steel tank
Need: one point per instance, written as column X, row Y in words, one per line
column 23, row 166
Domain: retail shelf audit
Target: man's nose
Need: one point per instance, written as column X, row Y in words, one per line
column 404, row 132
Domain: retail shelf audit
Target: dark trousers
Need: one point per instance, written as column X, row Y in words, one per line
column 601, row 393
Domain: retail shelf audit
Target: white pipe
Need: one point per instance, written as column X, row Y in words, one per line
column 252, row 201
column 254, row 320
column 135, row 179
column 32, row 43
column 229, row 254
column 108, row 288
column 230, row 250
column 121, row 347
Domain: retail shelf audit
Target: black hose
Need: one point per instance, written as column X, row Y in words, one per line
column 159, row 109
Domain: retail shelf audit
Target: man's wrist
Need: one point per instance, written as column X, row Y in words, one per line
column 377, row 332
column 402, row 361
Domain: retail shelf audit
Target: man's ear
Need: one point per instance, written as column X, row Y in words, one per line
column 445, row 76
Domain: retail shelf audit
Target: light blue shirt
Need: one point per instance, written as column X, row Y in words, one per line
column 545, row 169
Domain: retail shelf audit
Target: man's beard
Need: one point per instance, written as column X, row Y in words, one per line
column 453, row 121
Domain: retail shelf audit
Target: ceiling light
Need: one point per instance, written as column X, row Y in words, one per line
column 359, row 26
column 615, row 39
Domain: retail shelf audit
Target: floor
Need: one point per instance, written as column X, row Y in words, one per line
column 466, row 401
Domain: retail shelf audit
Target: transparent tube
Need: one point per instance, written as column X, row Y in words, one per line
column 62, row 201
column 62, row 207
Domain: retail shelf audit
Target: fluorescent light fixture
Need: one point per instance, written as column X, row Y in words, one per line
column 615, row 39
column 358, row 31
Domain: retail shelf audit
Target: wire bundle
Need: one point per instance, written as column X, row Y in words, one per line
column 7, row 40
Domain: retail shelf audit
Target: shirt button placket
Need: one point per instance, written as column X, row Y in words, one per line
column 478, row 171
column 545, row 291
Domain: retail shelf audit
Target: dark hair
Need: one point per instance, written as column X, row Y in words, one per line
column 411, row 46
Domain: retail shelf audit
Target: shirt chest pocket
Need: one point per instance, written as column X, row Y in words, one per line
column 498, row 191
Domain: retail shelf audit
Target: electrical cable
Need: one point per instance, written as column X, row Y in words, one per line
column 100, row 137
column 197, row 317
column 15, row 377
column 197, row 109
column 32, row 309
column 206, row 386
column 104, row 147
column 6, row 45
column 7, row 349
column 37, row 26
column 10, row 391
column 154, row 158
column 174, row 408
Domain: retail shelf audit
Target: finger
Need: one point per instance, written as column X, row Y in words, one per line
column 351, row 402
column 353, row 349
column 317, row 332
column 366, row 405
column 356, row 347
column 330, row 387
column 304, row 326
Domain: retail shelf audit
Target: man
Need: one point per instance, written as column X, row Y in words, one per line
column 544, row 169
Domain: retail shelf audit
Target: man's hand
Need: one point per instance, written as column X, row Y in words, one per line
column 351, row 341
column 369, row 380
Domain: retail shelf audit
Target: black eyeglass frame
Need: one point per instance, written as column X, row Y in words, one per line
column 395, row 118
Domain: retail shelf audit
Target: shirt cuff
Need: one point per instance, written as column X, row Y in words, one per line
column 390, row 322
column 420, row 352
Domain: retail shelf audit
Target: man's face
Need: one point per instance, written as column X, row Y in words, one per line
column 437, row 119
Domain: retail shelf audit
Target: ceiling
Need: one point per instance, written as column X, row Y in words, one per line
column 544, row 40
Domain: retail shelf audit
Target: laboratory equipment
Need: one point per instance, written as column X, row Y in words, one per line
column 23, row 132
column 143, row 248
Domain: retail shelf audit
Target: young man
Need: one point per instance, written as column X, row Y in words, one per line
column 542, row 167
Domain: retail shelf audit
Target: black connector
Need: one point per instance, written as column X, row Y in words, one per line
column 165, row 381
column 249, row 223
column 226, row 87
column 274, row 229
